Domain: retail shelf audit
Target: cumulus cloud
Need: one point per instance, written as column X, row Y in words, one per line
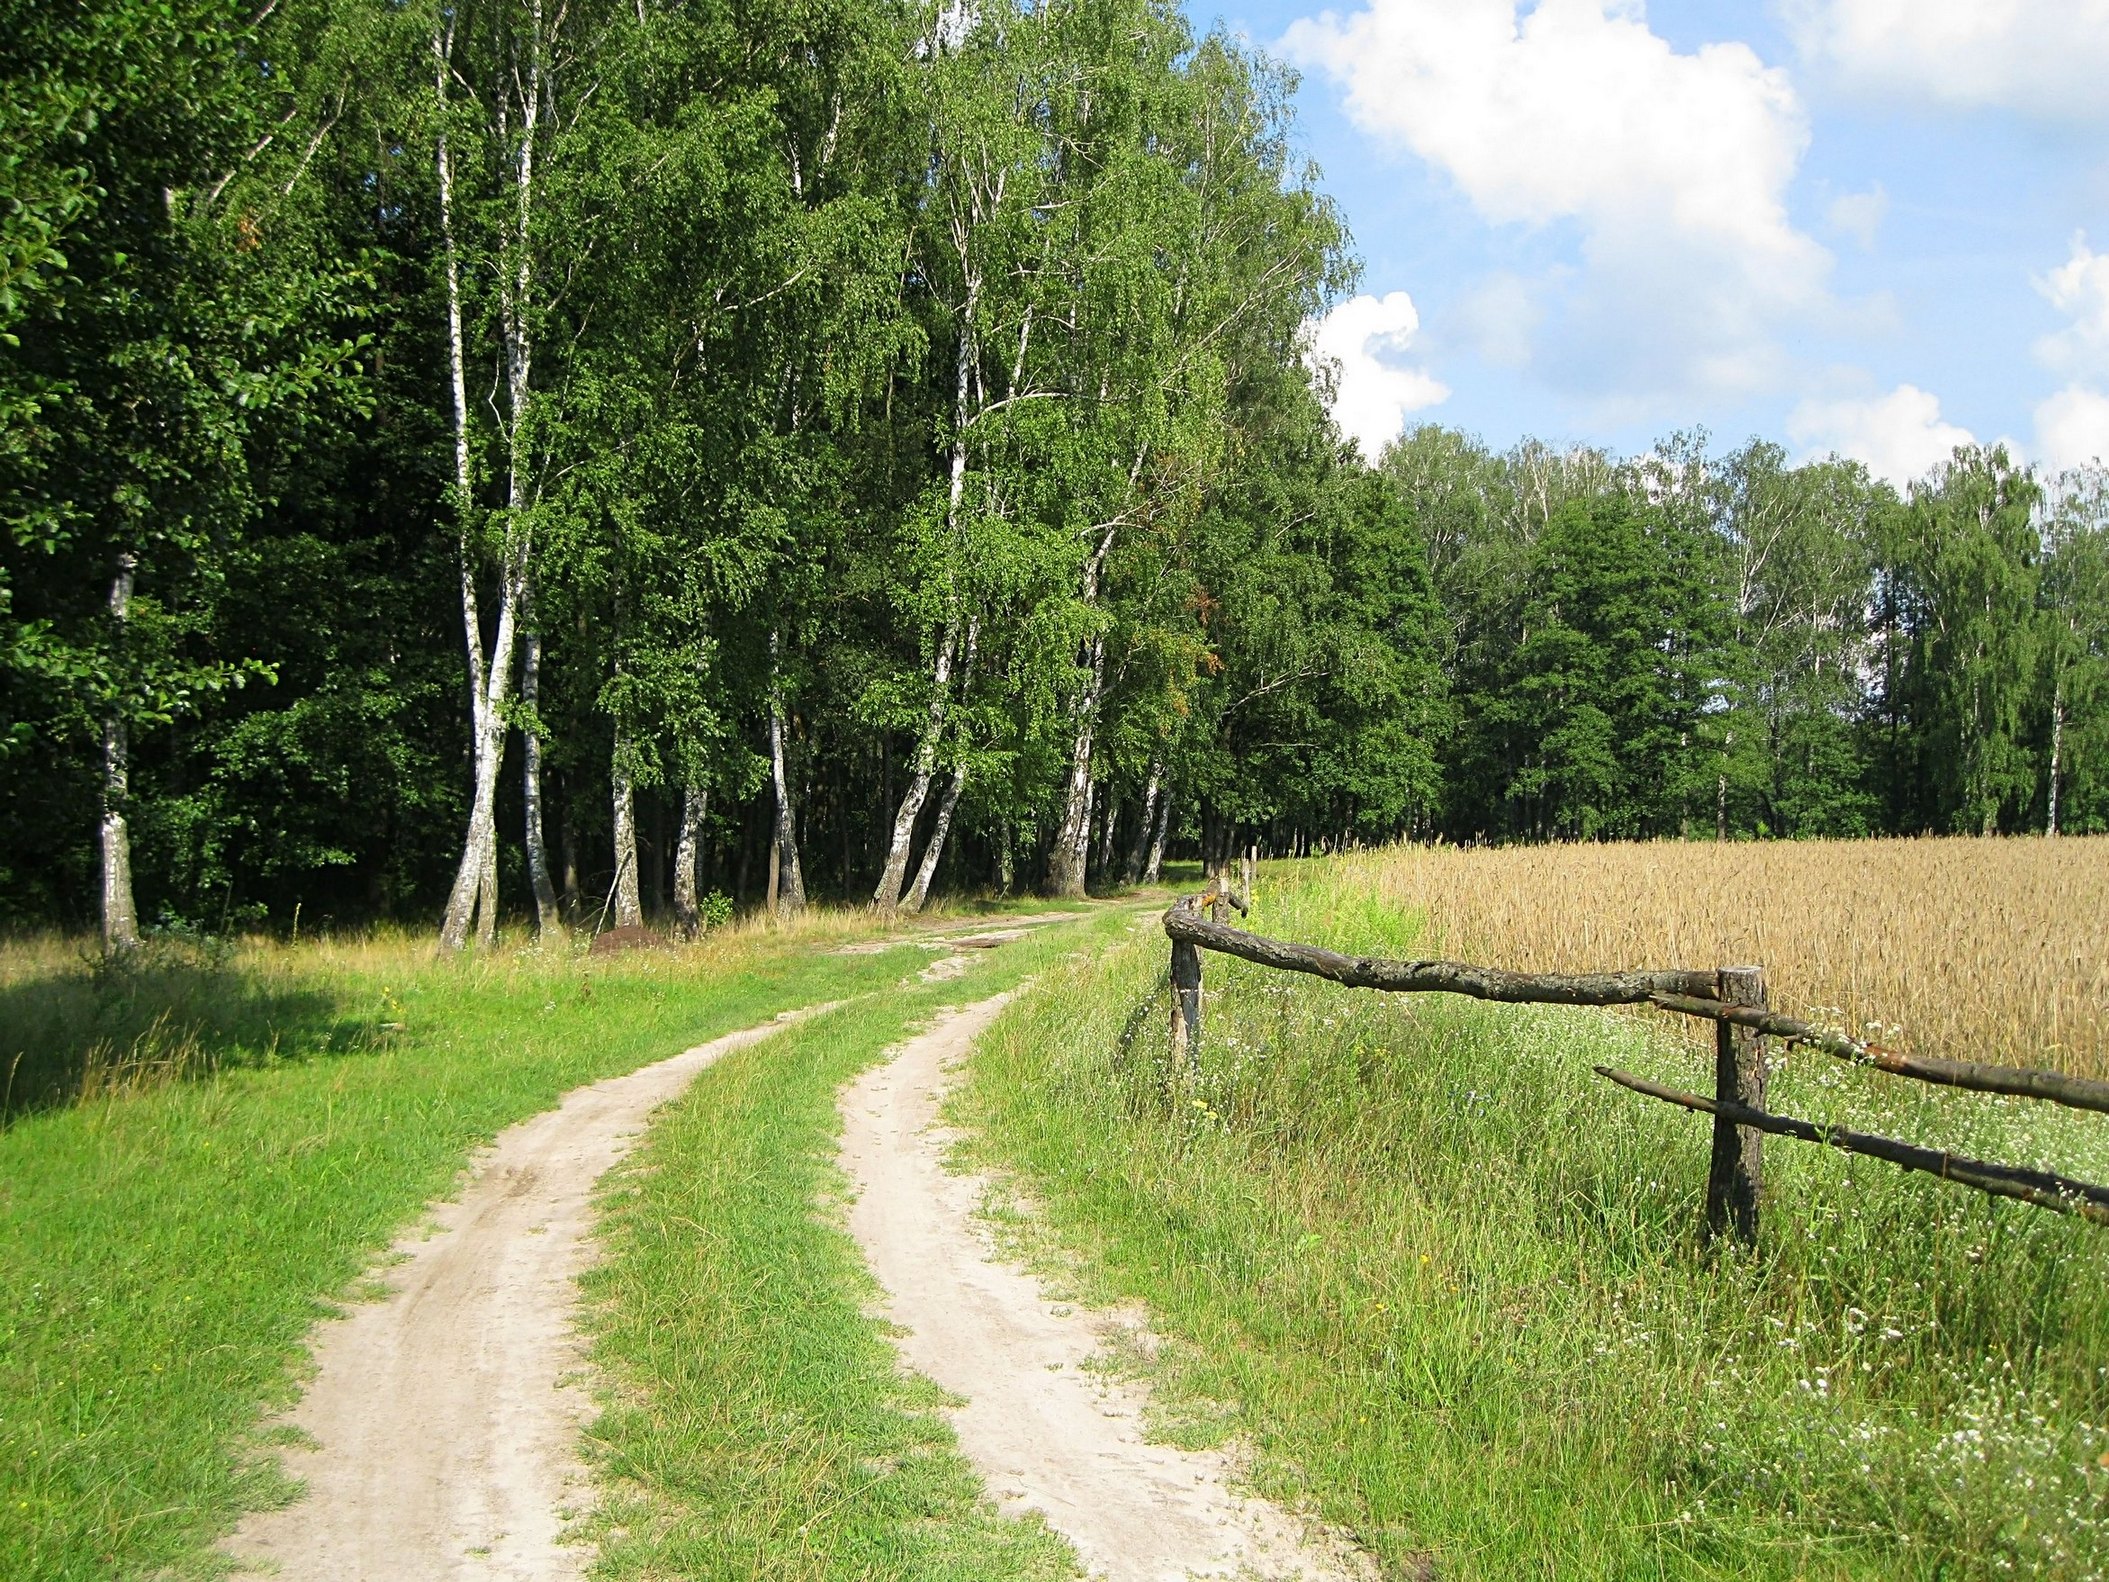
column 2044, row 58
column 1674, row 167
column 2072, row 428
column 1366, row 337
column 2078, row 288
column 1900, row 436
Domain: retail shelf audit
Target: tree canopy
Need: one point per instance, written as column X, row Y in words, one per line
column 483, row 456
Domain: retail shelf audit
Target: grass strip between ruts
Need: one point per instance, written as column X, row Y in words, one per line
column 757, row 1423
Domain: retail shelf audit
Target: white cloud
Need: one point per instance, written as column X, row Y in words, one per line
column 1366, row 336
column 1900, row 435
column 1674, row 166
column 2079, row 288
column 2041, row 57
column 2072, row 428
column 1860, row 214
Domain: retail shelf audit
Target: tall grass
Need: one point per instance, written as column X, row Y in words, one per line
column 1448, row 1283
column 1985, row 949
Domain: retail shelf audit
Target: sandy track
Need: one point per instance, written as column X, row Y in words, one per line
column 445, row 1419
column 1046, row 1435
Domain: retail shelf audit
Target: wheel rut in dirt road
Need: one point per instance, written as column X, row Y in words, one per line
column 1047, row 1433
column 443, row 1422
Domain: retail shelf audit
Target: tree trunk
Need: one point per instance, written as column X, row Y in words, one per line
column 549, row 920
column 920, row 892
column 1155, row 867
column 628, row 913
column 688, row 917
column 887, row 895
column 120, row 909
column 1006, row 859
column 473, row 899
column 574, row 902
column 787, row 881
column 1065, row 860
column 1107, row 820
column 1140, row 849
column 2057, row 746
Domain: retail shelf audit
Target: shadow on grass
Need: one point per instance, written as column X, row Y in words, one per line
column 73, row 1030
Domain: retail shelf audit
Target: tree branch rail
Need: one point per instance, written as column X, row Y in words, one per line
column 1731, row 998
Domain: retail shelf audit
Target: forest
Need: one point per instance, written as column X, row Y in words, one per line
column 603, row 460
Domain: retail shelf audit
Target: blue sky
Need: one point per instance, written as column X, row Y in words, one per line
column 1868, row 226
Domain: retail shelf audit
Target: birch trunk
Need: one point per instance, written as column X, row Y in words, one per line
column 474, row 897
column 120, row 909
column 628, row 913
column 688, row 918
column 919, row 893
column 1155, row 868
column 790, row 882
column 2057, row 747
column 549, row 920
column 887, row 895
column 1065, row 861
column 1072, row 844
column 1140, row 849
column 1108, row 818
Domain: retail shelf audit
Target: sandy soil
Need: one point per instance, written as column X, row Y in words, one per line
column 1047, row 1434
column 444, row 1420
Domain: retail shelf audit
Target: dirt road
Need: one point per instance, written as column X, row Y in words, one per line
column 1047, row 1435
column 444, row 1420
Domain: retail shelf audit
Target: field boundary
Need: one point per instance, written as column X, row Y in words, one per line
column 1733, row 998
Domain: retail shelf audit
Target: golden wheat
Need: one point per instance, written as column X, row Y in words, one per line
column 1984, row 949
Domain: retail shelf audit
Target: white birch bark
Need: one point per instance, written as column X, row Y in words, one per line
column 549, row 920
column 628, row 912
column 1066, row 859
column 475, row 893
column 688, row 916
column 1140, row 849
column 120, row 911
column 934, row 848
column 1154, row 869
column 887, row 895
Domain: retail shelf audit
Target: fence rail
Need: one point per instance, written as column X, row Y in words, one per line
column 1732, row 998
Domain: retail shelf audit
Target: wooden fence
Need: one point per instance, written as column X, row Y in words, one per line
column 1732, row 998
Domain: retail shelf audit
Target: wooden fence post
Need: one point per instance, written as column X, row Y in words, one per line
column 1737, row 1170
column 1186, row 1003
column 1251, row 863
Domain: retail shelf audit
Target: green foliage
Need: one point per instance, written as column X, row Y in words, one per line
column 814, row 347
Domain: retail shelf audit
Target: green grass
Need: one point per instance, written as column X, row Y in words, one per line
column 1448, row 1285
column 212, row 1143
column 757, row 1423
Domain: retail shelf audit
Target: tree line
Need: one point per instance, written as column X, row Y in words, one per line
column 621, row 458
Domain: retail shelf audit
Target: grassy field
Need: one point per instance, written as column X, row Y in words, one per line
column 758, row 1425
column 210, row 1143
column 1447, row 1284
column 1994, row 949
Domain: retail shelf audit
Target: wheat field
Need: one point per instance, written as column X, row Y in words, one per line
column 1984, row 949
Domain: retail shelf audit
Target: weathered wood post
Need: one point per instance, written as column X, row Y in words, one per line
column 1737, row 1171
column 1186, row 1003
